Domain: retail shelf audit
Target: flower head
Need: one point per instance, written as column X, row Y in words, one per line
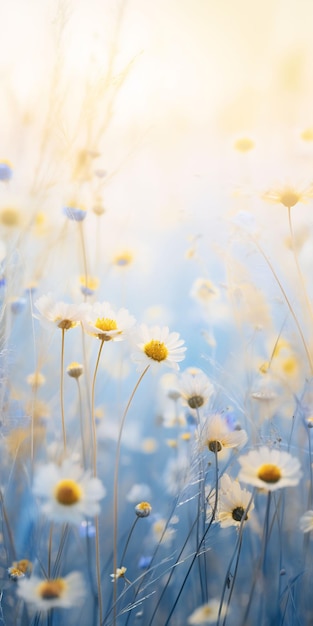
column 68, row 493
column 218, row 434
column 51, row 593
column 306, row 522
column 143, row 509
column 103, row 322
column 74, row 212
column 60, row 314
column 288, row 196
column 157, row 346
column 269, row 469
column 119, row 573
column 195, row 388
column 232, row 502
column 207, row 613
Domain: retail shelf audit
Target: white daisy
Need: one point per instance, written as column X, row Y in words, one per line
column 103, row 322
column 43, row 595
column 232, row 502
column 306, row 522
column 269, row 469
column 68, row 493
column 60, row 314
column 195, row 388
column 157, row 346
column 217, row 434
column 207, row 613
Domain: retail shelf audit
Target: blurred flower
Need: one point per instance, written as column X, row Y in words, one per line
column 269, row 469
column 217, row 434
column 139, row 491
column 103, row 322
column 75, row 369
column 120, row 573
column 43, row 595
column 18, row 569
column 88, row 285
column 195, row 388
column 68, row 493
column 288, row 196
column 207, row 613
column 60, row 314
column 6, row 171
column 75, row 213
column 36, row 380
column 143, row 509
column 156, row 346
column 306, row 522
column 244, row 144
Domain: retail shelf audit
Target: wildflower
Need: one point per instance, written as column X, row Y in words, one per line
column 119, row 573
column 6, row 171
column 9, row 216
column 232, row 502
column 143, row 509
column 218, row 434
column 69, row 494
column 61, row 314
column 43, row 595
column 203, row 290
column 195, row 388
column 269, row 469
column 88, row 285
column 36, row 380
column 137, row 491
column 103, row 322
column 306, row 522
column 244, row 144
column 75, row 369
column 157, row 345
column 18, row 305
column 207, row 613
column 288, row 196
column 74, row 212
column 123, row 259
column 18, row 569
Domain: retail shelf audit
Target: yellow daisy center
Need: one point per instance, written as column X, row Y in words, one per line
column 106, row 324
column 244, row 144
column 156, row 350
column 51, row 589
column 289, row 198
column 68, row 492
column 269, row 473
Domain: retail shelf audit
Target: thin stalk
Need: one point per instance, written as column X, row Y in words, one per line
column 62, row 391
column 82, row 238
column 201, row 542
column 306, row 349
column 300, row 274
column 128, row 539
column 94, row 458
column 82, row 429
column 115, row 488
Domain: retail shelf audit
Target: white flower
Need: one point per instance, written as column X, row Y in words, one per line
column 156, row 346
column 69, row 493
column 120, row 573
column 195, row 388
column 44, row 595
column 232, row 502
column 103, row 322
column 217, row 434
column 207, row 613
column 269, row 469
column 306, row 522
column 60, row 314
